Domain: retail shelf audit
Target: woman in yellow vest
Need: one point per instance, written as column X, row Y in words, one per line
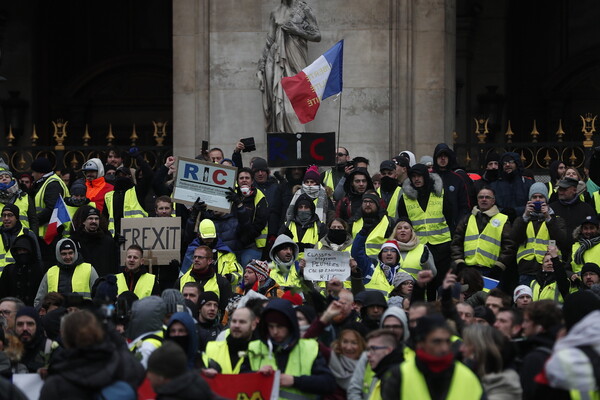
column 414, row 255
column 551, row 283
column 304, row 228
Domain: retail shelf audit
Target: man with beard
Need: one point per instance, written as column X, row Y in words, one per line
column 377, row 275
column 122, row 203
column 97, row 246
column 590, row 275
column 22, row 278
column 373, row 224
column 511, row 188
column 69, row 275
column 356, row 184
column 135, row 276
column 209, row 325
column 390, row 191
column 249, row 205
column 285, row 269
column 271, row 189
column 256, row 277
column 587, row 247
column 10, row 230
column 226, row 356
column 569, row 206
column 28, row 329
column 331, row 177
column 96, row 185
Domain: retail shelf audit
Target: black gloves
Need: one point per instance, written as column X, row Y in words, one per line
column 198, row 207
column 175, row 264
column 233, row 197
column 120, row 239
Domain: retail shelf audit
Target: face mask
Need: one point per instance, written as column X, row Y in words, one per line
column 304, row 216
column 312, row 191
column 388, row 184
column 22, row 259
column 182, row 341
column 337, row 236
column 79, row 201
column 122, row 181
column 491, row 175
column 246, row 191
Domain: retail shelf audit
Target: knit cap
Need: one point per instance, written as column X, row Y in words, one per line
column 205, row 297
column 174, row 300
column 538, row 188
column 259, row 267
column 520, row 291
column 78, row 188
column 12, row 208
column 41, row 165
column 388, row 244
column 312, row 173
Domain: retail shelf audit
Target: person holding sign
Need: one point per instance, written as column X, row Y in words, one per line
column 135, row 276
column 285, row 269
column 304, row 228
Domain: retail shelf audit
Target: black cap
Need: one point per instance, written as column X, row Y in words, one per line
column 591, row 219
column 567, row 183
column 401, row 161
column 41, row 165
column 260, row 164
column 387, row 165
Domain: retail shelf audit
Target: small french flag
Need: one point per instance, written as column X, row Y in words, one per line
column 318, row 81
column 60, row 216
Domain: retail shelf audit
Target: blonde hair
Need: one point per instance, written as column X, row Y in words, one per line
column 336, row 345
column 487, row 343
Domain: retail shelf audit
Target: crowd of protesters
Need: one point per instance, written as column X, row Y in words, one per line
column 459, row 285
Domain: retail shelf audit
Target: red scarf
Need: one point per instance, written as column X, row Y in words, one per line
column 435, row 364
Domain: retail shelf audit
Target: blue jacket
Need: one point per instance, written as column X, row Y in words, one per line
column 189, row 252
column 192, row 342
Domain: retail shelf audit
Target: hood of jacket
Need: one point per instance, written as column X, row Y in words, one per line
column 187, row 321
column 94, row 162
column 284, row 307
column 189, row 386
column 437, row 186
column 509, row 155
column 283, row 239
column 77, row 259
column 399, row 313
column 444, row 148
column 349, row 189
column 147, row 316
column 412, row 160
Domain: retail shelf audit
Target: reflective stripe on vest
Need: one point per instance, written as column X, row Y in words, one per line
column 5, row 255
column 379, row 282
column 39, row 198
column 261, row 240
column 430, row 224
column 154, row 338
column 311, row 235
column 536, row 245
column 411, row 261
column 291, row 280
column 80, row 281
column 218, row 351
column 597, row 201
column 591, row 255
column 463, row 386
column 131, row 208
column 143, row 287
column 392, row 206
column 23, row 204
column 484, row 248
column 300, row 362
column 376, row 238
column 210, row 286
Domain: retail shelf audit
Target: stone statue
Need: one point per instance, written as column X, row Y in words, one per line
column 292, row 24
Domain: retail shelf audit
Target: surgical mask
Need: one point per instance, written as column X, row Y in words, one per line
column 304, row 216
column 337, row 236
column 246, row 190
column 311, row 191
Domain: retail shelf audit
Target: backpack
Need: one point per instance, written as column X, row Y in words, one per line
column 119, row 390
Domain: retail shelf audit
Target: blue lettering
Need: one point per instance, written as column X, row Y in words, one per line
column 277, row 148
column 191, row 172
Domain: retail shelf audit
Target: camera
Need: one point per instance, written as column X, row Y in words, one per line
column 537, row 206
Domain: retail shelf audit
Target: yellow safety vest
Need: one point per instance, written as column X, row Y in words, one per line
column 300, row 363
column 328, row 179
column 591, row 255
column 5, row 255
column 143, row 287
column 464, row 385
column 23, row 204
column 218, row 351
column 261, row 240
column 597, row 201
column 311, row 235
column 154, row 338
column 39, row 198
column 430, row 224
column 72, row 210
column 210, row 286
column 392, row 207
column 411, row 261
column 379, row 282
column 376, row 238
column 549, row 292
column 536, row 245
column 227, row 263
column 484, row 248
column 80, row 281
column 131, row 208
column 291, row 280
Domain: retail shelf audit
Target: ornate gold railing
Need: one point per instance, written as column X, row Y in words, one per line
column 68, row 156
column 536, row 155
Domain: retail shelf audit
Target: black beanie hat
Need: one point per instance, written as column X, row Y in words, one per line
column 41, row 165
column 493, row 156
column 419, row 169
column 277, row 317
column 206, row 297
column 404, row 219
column 590, row 267
column 578, row 305
column 12, row 208
column 372, row 196
column 30, row 312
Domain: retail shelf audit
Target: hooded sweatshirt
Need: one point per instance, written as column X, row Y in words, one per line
column 512, row 190
column 189, row 343
column 97, row 188
column 458, row 187
column 348, row 208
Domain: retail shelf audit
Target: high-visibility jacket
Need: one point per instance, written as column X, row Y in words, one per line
column 597, row 201
column 591, row 255
column 80, row 281
column 143, row 287
column 39, row 198
column 548, row 292
column 410, row 261
column 300, row 362
column 379, row 282
column 210, row 286
column 464, row 384
column 261, row 240
column 23, row 204
column 430, row 224
column 311, row 235
column 227, row 263
column 5, row 255
column 376, row 237
column 155, row 338
column 552, row 189
column 291, row 280
column 536, row 245
column 131, row 208
column 392, row 207
column 328, row 180
column 218, row 351
column 484, row 248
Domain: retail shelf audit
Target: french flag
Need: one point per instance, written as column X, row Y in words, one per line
column 60, row 216
column 318, row 81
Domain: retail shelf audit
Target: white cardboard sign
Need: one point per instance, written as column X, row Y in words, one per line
column 323, row 265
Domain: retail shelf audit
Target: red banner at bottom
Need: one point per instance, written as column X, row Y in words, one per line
column 252, row 386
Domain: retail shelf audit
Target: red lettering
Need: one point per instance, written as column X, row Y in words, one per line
column 313, row 151
column 216, row 175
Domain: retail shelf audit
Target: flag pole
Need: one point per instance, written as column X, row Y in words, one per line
column 339, row 122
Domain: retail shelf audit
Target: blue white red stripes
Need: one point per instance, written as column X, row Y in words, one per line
column 60, row 216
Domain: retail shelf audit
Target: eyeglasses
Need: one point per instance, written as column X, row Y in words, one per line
column 200, row 257
column 508, row 162
column 341, row 154
column 372, row 349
